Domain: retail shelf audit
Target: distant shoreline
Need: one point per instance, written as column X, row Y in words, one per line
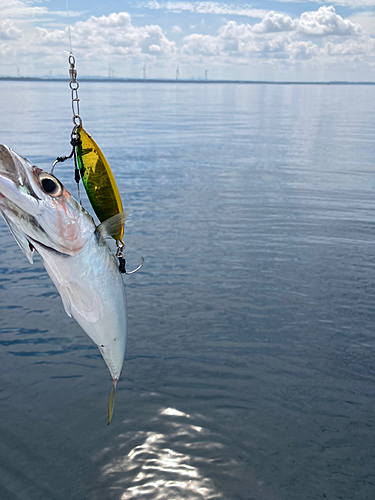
column 160, row 80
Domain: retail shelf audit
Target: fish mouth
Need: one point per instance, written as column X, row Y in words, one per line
column 12, row 215
column 7, row 164
column 36, row 245
column 16, row 169
column 11, row 166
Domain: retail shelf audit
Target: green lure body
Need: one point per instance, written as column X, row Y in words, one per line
column 98, row 179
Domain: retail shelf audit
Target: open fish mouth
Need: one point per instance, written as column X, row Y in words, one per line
column 7, row 164
column 10, row 165
column 19, row 171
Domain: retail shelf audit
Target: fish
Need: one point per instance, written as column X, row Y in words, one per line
column 45, row 218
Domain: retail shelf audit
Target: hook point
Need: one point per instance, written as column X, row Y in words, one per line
column 137, row 268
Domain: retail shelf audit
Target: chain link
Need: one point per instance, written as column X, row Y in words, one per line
column 74, row 86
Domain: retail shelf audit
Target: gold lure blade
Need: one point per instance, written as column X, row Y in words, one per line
column 98, row 179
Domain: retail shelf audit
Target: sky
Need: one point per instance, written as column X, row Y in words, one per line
column 301, row 40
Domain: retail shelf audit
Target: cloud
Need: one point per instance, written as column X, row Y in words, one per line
column 98, row 37
column 241, row 42
column 366, row 19
column 116, row 34
column 299, row 50
column 275, row 38
column 207, row 8
column 279, row 36
column 18, row 9
column 326, row 22
column 349, row 48
column 351, row 4
column 201, row 45
column 9, row 31
column 246, row 10
column 274, row 22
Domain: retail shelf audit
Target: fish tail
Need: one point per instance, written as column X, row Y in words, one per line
column 111, row 402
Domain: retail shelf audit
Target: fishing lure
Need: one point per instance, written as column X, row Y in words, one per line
column 98, row 179
column 92, row 167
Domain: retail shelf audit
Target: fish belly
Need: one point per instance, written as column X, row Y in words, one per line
column 93, row 293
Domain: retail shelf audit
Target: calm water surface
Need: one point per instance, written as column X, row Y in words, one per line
column 250, row 364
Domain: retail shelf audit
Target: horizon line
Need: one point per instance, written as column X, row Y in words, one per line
column 182, row 80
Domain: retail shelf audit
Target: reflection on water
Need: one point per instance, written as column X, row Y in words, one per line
column 159, row 471
column 249, row 371
column 169, row 455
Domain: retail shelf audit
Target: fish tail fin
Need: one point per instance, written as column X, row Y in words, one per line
column 111, row 402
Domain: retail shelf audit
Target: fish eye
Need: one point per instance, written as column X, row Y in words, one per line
column 50, row 185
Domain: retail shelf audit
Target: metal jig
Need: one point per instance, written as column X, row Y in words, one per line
column 75, row 141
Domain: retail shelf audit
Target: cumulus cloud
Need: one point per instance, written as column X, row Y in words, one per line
column 275, row 37
column 9, row 31
column 274, row 22
column 366, row 19
column 299, row 50
column 349, row 48
column 105, row 35
column 326, row 22
column 197, row 44
column 280, row 36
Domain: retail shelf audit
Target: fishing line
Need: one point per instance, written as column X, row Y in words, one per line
column 69, row 32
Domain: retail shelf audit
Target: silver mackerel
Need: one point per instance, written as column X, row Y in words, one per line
column 44, row 217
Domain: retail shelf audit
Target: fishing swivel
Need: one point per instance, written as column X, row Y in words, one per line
column 77, row 120
column 121, row 259
column 74, row 86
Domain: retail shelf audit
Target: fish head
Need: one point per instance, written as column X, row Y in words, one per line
column 38, row 208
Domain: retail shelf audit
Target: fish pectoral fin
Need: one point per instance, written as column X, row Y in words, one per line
column 111, row 402
column 80, row 302
column 114, row 225
column 65, row 297
column 20, row 238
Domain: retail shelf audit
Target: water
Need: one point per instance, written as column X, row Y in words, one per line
column 250, row 369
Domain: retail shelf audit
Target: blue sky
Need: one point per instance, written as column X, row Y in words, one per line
column 270, row 40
